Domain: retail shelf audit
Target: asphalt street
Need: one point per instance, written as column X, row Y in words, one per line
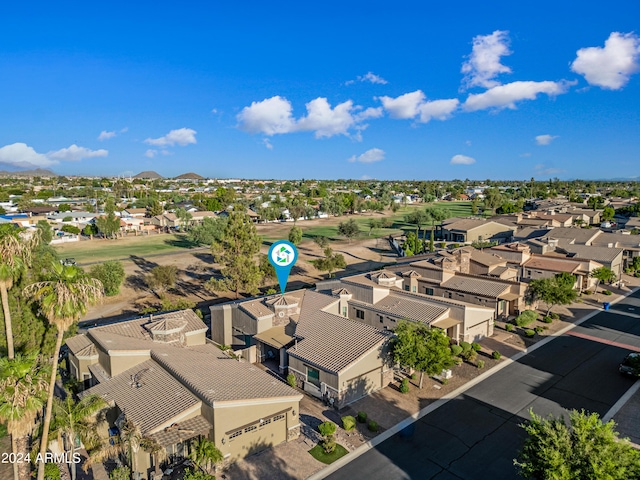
column 477, row 434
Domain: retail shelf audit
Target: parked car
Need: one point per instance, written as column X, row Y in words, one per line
column 68, row 262
column 631, row 365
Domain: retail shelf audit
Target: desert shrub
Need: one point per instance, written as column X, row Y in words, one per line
column 470, row 355
column 329, row 444
column 466, row 346
column 547, row 319
column 554, row 315
column 327, row 428
column 362, row 417
column 404, row 385
column 496, row 355
column 529, row 333
column 348, row 422
column 119, row 473
column 606, row 292
column 457, row 360
column 456, row 350
column 480, row 364
column 476, row 346
column 412, row 376
column 525, row 318
column 291, row 380
column 373, row 426
column 587, row 292
column 539, row 329
column 508, row 327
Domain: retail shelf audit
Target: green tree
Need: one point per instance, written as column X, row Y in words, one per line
column 331, row 262
column 61, row 300
column 209, row 231
column 195, row 474
column 185, row 219
column 46, row 232
column 154, row 207
column 23, row 391
column 586, row 449
column 111, row 275
column 321, row 241
column 420, row 347
column 64, row 207
column 266, row 268
column 295, row 235
column 608, row 213
column 492, row 198
column 553, row 291
column 436, row 215
column 603, row 275
column 205, row 454
column 157, row 452
column 235, row 253
column 595, row 202
column 418, row 218
column 349, row 229
column 15, row 255
column 108, row 224
column 71, row 420
column 162, row 277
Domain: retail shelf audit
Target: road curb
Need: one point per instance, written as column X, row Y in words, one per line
column 365, row 447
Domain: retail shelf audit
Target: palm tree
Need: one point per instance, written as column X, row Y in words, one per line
column 62, row 301
column 157, row 452
column 15, row 255
column 205, row 453
column 128, row 445
column 76, row 419
column 23, row 384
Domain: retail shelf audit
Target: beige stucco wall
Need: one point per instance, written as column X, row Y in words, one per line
column 121, row 361
column 221, row 319
column 195, row 339
column 229, row 417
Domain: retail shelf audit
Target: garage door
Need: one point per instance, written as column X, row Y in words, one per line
column 477, row 332
column 363, row 385
column 261, row 434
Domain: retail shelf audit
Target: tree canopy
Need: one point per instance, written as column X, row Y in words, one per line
column 586, row 449
column 421, row 347
column 235, row 252
column 349, row 229
column 111, row 275
column 557, row 290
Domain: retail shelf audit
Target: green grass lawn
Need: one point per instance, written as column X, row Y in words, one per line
column 317, row 452
column 100, row 250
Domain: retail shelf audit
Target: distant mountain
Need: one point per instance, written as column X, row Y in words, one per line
column 189, row 176
column 149, row 175
column 38, row 172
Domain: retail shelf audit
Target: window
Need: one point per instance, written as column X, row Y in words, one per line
column 344, row 311
column 429, row 291
column 360, row 314
column 250, row 429
column 235, row 434
column 406, row 287
column 528, row 273
column 414, row 289
column 449, row 294
column 265, row 422
column 278, row 417
column 381, row 318
column 313, row 376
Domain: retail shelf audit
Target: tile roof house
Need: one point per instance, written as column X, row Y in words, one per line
column 547, row 266
column 331, row 356
column 161, row 373
column 467, row 230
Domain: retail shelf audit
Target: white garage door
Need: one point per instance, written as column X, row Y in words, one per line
column 478, row 332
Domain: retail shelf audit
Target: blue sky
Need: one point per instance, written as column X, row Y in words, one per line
column 387, row 90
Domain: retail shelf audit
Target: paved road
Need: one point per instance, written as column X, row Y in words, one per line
column 476, row 435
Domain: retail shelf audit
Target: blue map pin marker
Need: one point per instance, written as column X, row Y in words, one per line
column 282, row 256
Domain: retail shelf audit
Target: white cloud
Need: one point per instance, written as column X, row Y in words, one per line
column 609, row 67
column 270, row 116
column 326, row 121
column 267, row 143
column 181, row 136
column 124, row 130
column 545, row 139
column 484, row 64
column 542, row 169
column 104, row 135
column 75, row 153
column 415, row 104
column 438, row 109
column 404, row 106
column 526, row 154
column 150, row 153
column 462, row 160
column 506, row 96
column 372, row 78
column 22, row 155
column 274, row 116
column 370, row 156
